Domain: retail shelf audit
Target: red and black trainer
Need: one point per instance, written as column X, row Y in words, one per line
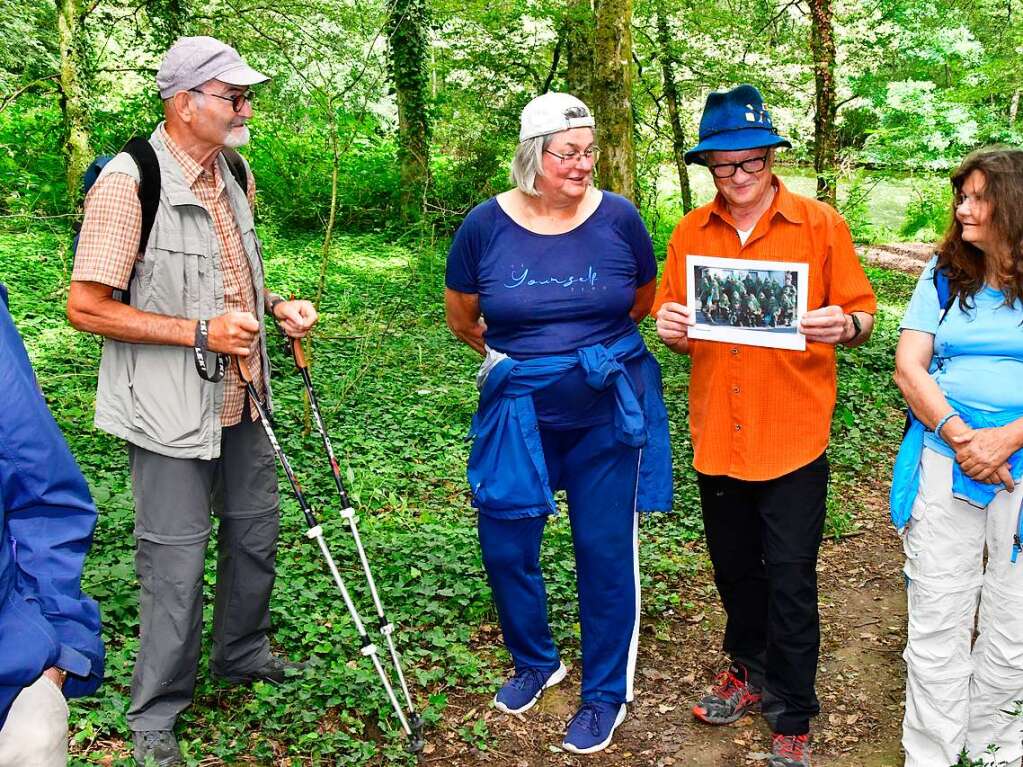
column 729, row 699
column 789, row 751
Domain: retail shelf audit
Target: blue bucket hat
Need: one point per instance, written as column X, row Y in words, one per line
column 733, row 121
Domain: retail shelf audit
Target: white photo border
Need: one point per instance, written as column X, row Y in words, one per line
column 724, row 334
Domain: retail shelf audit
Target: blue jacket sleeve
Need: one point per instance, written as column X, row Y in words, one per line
column 48, row 521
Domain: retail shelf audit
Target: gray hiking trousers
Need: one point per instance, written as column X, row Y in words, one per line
column 173, row 502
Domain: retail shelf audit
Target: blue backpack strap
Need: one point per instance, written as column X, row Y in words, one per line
column 944, row 290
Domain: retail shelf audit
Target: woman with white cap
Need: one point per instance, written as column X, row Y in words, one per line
column 570, row 399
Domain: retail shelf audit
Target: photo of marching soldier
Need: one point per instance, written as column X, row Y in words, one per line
column 745, row 298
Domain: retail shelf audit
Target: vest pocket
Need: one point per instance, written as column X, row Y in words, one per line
column 178, row 262
column 167, row 396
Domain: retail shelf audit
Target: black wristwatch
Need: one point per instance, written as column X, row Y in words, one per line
column 856, row 327
column 273, row 304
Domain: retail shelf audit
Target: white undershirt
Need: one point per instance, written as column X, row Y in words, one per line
column 745, row 233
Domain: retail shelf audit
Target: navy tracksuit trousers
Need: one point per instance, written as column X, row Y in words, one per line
column 599, row 475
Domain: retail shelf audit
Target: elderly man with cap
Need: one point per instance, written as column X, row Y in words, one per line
column 192, row 284
column 570, row 399
column 760, row 418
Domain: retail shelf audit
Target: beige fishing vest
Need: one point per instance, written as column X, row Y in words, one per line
column 151, row 395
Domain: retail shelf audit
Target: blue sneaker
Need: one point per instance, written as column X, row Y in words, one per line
column 524, row 689
column 593, row 726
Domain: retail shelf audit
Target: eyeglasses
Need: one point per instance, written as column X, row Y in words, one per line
column 238, row 100
column 573, row 158
column 728, row 169
column 973, row 199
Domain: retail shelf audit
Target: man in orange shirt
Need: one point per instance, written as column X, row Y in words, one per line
column 760, row 418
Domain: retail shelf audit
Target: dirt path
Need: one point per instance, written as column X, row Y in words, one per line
column 860, row 683
column 908, row 257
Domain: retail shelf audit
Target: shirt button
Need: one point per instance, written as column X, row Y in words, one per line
column 738, row 427
column 735, row 390
column 734, row 350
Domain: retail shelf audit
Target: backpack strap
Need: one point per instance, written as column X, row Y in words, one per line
column 142, row 152
column 944, row 290
column 237, row 167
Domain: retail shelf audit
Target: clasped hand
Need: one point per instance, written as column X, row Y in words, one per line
column 983, row 455
column 235, row 332
column 297, row 317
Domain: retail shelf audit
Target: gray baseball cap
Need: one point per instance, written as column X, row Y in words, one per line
column 192, row 61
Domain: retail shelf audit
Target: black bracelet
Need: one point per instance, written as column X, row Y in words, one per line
column 273, row 305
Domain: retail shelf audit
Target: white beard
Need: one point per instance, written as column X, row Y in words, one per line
column 237, row 137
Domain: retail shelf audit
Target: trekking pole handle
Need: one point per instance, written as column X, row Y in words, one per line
column 243, row 371
column 298, row 353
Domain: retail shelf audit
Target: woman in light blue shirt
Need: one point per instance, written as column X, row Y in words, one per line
column 959, row 364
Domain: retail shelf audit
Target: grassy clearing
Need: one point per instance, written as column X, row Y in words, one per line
column 397, row 395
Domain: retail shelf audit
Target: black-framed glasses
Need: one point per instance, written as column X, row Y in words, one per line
column 573, row 158
column 728, row 169
column 238, row 100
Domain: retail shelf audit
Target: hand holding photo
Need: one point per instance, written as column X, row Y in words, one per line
column 758, row 303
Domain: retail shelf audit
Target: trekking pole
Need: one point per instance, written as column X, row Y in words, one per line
column 315, row 532
column 348, row 513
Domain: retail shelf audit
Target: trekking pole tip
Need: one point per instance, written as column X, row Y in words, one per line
column 416, row 743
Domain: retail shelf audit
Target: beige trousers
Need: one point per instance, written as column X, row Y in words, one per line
column 36, row 732
column 959, row 693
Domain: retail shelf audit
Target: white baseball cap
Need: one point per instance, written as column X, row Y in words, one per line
column 192, row 61
column 553, row 113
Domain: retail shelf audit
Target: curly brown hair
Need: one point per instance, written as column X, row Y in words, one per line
column 964, row 263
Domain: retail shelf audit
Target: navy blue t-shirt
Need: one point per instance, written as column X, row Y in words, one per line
column 551, row 294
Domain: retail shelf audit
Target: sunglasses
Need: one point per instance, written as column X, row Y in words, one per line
column 238, row 100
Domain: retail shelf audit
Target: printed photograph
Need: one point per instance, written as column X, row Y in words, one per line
column 750, row 302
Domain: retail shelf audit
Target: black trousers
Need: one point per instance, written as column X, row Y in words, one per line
column 763, row 539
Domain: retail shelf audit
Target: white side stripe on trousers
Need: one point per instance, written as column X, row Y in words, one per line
column 630, row 669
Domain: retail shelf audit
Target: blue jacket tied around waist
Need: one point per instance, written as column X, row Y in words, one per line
column 906, row 477
column 507, row 472
column 46, row 522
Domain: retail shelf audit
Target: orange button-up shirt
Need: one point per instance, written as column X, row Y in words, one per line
column 758, row 413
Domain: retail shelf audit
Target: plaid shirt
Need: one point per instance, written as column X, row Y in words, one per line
column 108, row 250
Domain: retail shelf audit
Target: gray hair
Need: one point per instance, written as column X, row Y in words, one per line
column 527, row 163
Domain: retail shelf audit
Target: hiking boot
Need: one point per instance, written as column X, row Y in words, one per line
column 274, row 671
column 789, row 751
column 524, row 689
column 156, row 748
column 729, row 699
column 593, row 726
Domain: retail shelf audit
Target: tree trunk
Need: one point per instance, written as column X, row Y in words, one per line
column 1014, row 108
column 612, row 96
column 580, row 26
column 678, row 136
column 73, row 97
column 825, row 139
column 407, row 64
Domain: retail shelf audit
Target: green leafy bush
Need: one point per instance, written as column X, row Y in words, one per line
column 928, row 213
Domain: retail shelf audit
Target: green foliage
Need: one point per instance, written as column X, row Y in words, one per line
column 397, row 396
column 928, row 213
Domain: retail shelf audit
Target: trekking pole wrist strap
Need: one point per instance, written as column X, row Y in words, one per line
column 200, row 347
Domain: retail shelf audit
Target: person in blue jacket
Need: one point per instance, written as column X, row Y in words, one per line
column 50, row 645
column 955, row 493
column 547, row 281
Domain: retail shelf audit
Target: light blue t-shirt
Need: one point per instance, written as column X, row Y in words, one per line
column 978, row 354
